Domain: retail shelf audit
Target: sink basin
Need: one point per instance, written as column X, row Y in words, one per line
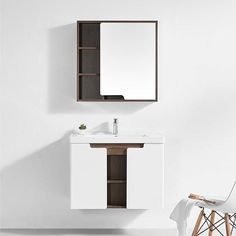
column 120, row 138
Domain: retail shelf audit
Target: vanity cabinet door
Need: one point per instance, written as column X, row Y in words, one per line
column 145, row 177
column 88, row 177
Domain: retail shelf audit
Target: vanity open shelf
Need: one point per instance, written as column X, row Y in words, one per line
column 116, row 180
column 116, row 172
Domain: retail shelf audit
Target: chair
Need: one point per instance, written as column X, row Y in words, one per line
column 225, row 210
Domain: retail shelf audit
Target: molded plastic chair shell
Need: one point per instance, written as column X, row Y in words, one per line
column 227, row 206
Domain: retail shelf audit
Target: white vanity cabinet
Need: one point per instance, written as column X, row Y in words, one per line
column 116, row 173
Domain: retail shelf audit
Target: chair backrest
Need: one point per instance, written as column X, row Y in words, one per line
column 230, row 203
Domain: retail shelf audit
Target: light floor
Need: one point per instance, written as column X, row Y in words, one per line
column 88, row 232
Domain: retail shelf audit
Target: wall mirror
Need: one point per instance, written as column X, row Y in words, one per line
column 117, row 61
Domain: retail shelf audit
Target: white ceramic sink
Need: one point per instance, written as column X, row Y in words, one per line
column 120, row 138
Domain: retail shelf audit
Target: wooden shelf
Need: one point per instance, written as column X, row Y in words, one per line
column 116, row 181
column 115, row 206
column 89, row 74
column 116, row 172
column 116, row 178
column 88, row 48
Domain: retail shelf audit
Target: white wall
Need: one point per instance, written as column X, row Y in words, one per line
column 196, row 111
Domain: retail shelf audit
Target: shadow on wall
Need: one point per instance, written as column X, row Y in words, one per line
column 37, row 194
column 62, row 78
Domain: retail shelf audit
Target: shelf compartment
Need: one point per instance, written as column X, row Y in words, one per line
column 88, row 87
column 89, row 34
column 89, row 61
column 116, row 167
column 116, row 195
column 116, row 178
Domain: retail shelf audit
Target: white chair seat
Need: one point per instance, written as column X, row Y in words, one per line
column 224, row 206
column 227, row 207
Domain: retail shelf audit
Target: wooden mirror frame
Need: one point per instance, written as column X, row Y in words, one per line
column 86, row 79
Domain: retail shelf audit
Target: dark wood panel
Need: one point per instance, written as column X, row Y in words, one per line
column 118, row 21
column 116, row 145
column 89, row 34
column 156, row 57
column 89, row 74
column 89, row 62
column 89, row 87
column 116, row 151
column 116, row 195
column 116, row 181
column 115, row 206
column 78, row 62
column 88, row 48
column 113, row 97
column 116, row 167
column 114, row 100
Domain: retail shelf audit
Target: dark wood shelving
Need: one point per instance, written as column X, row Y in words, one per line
column 116, row 172
column 88, row 61
column 115, row 206
column 116, row 176
column 116, row 181
column 89, row 74
column 88, row 48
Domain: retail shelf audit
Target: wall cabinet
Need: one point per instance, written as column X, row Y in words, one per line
column 116, row 61
column 116, row 175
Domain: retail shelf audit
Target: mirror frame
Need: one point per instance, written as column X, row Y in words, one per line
column 78, row 61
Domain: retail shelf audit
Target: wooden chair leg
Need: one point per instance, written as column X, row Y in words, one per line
column 197, row 225
column 212, row 219
column 227, row 225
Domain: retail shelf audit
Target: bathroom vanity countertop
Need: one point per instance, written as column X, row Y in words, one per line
column 109, row 138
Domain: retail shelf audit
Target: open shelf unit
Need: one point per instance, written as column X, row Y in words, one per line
column 116, row 179
column 116, row 172
column 88, row 61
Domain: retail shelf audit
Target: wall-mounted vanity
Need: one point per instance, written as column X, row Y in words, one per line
column 117, row 61
column 124, row 171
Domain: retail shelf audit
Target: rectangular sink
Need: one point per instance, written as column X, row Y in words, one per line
column 121, row 138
